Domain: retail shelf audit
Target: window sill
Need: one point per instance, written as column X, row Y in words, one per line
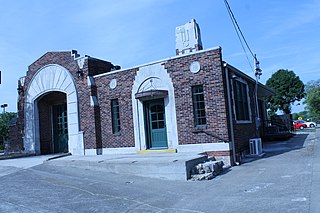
column 244, row 122
column 116, row 134
column 201, row 127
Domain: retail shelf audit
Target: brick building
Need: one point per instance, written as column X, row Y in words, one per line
column 192, row 102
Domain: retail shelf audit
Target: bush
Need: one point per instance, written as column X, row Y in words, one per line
column 4, row 123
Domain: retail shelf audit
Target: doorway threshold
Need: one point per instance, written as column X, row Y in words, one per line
column 61, row 155
column 157, row 151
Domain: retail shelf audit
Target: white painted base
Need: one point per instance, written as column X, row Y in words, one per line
column 190, row 148
column 204, row 147
column 195, row 148
column 107, row 151
column 76, row 144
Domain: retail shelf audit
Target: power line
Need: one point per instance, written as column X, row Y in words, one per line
column 239, row 33
column 236, row 24
column 257, row 71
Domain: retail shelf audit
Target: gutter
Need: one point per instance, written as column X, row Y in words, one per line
column 225, row 65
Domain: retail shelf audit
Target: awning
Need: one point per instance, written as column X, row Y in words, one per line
column 264, row 91
column 151, row 94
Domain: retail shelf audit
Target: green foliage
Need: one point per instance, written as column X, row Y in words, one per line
column 305, row 115
column 313, row 97
column 4, row 123
column 288, row 87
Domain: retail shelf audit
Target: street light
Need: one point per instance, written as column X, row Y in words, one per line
column 4, row 107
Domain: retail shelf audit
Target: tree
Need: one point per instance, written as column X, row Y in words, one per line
column 5, row 119
column 288, row 88
column 313, row 97
column 305, row 115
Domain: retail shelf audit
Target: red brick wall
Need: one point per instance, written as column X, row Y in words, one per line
column 96, row 124
column 212, row 78
column 45, row 127
column 62, row 58
column 86, row 112
column 245, row 131
column 122, row 91
column 14, row 143
column 91, row 116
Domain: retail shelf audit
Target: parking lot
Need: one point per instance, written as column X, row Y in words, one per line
column 286, row 179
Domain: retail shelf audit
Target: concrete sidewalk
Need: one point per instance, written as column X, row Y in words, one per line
column 171, row 166
column 25, row 162
column 11, row 165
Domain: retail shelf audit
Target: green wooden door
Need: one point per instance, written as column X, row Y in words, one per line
column 60, row 128
column 156, row 125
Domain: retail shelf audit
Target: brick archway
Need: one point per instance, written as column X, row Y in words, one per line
column 51, row 78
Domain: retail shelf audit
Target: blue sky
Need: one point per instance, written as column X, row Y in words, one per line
column 283, row 34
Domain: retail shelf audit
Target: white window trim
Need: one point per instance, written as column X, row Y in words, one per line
column 248, row 97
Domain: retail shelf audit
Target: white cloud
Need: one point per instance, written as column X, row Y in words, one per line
column 292, row 19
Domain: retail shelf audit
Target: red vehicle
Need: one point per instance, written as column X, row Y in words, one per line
column 299, row 124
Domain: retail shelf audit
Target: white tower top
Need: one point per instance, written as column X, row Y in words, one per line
column 188, row 38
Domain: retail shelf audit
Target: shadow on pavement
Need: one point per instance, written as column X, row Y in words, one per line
column 273, row 148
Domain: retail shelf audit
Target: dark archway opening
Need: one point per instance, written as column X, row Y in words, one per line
column 53, row 123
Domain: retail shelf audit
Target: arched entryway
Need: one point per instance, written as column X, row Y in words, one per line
column 50, row 82
column 53, row 123
column 154, row 111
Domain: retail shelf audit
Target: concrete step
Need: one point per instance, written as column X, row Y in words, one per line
column 171, row 166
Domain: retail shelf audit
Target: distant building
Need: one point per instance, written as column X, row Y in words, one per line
column 192, row 102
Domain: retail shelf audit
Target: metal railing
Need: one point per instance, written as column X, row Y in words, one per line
column 210, row 134
column 278, row 124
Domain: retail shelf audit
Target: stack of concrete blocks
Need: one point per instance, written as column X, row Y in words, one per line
column 207, row 170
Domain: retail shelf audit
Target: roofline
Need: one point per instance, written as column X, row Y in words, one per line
column 158, row 61
column 242, row 74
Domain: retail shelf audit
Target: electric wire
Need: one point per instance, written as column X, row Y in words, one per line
column 239, row 32
column 257, row 71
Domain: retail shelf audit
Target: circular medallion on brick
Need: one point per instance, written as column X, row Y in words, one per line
column 195, row 67
column 113, row 83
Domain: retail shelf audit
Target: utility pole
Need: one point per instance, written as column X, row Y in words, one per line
column 258, row 73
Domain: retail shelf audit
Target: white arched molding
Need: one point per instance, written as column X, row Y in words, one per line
column 52, row 78
column 160, row 81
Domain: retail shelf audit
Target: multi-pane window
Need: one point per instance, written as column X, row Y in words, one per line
column 157, row 116
column 241, row 101
column 198, row 106
column 61, row 119
column 115, row 113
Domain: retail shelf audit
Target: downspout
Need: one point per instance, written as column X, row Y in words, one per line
column 230, row 116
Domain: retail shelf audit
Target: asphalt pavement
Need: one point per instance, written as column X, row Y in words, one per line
column 285, row 179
